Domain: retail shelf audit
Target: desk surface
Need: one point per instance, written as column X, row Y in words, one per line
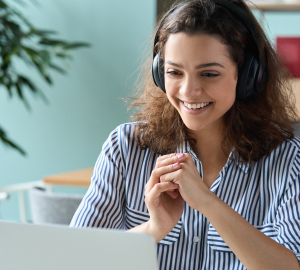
column 75, row 178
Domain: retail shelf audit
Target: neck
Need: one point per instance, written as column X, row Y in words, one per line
column 208, row 148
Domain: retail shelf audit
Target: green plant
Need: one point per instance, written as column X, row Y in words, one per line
column 19, row 39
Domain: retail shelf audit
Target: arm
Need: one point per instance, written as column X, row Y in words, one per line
column 103, row 204
column 254, row 249
column 164, row 203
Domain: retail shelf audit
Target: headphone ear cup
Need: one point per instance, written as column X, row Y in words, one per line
column 247, row 78
column 158, row 72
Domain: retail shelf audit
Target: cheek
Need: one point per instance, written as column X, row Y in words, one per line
column 230, row 90
column 171, row 99
column 170, row 86
column 171, row 92
column 225, row 98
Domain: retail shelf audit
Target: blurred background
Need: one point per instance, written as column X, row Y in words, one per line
column 86, row 104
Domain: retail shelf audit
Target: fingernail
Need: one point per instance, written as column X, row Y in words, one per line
column 175, row 185
column 179, row 155
column 175, row 164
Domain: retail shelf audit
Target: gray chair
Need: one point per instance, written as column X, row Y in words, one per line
column 52, row 208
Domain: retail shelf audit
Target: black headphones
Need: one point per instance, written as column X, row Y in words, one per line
column 250, row 74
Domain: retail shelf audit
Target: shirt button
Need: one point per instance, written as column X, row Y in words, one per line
column 196, row 239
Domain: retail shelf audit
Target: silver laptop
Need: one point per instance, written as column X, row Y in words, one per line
column 36, row 247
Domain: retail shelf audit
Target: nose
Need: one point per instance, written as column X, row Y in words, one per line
column 191, row 86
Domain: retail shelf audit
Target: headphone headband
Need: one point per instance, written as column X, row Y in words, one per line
column 241, row 14
column 161, row 23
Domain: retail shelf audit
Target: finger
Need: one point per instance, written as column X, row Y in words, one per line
column 157, row 173
column 153, row 195
column 170, row 177
column 188, row 158
column 161, row 158
column 173, row 193
column 170, row 159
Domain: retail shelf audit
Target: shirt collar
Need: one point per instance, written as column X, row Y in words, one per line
column 186, row 148
column 238, row 161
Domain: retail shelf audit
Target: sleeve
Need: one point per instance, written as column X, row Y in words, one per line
column 287, row 221
column 104, row 203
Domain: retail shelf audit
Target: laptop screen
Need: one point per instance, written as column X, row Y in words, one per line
column 36, row 247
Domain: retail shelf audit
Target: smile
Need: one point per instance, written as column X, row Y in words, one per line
column 195, row 106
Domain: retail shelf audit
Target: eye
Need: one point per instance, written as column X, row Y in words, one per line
column 210, row 75
column 173, row 73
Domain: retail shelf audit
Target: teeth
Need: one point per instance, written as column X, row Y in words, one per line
column 195, row 106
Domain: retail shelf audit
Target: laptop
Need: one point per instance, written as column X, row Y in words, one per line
column 43, row 247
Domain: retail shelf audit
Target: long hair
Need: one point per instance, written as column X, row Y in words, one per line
column 251, row 129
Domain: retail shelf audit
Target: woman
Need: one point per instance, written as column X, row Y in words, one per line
column 211, row 167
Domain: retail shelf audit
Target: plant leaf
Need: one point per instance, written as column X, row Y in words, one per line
column 52, row 42
column 19, row 39
column 57, row 68
column 13, row 52
column 7, row 141
column 76, row 45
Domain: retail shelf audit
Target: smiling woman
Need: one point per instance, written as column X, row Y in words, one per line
column 211, row 167
column 252, row 128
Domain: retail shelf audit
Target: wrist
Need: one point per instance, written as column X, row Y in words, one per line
column 154, row 231
column 149, row 229
column 206, row 202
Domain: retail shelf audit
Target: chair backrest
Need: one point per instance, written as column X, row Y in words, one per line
column 52, row 208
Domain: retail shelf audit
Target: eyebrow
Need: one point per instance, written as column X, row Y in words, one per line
column 197, row 67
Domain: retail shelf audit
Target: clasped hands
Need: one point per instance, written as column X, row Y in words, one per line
column 174, row 180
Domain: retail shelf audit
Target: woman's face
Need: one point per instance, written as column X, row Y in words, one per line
column 200, row 79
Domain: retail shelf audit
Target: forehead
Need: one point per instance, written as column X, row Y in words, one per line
column 204, row 47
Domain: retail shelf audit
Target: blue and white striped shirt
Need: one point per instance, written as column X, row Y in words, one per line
column 266, row 193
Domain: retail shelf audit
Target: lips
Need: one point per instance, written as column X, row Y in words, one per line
column 185, row 107
column 194, row 106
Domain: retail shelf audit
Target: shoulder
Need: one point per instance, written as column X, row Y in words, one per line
column 121, row 141
column 116, row 148
column 289, row 149
column 294, row 146
column 122, row 135
column 295, row 142
column 123, row 130
column 284, row 161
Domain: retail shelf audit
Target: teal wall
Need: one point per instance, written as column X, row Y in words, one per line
column 282, row 24
column 84, row 106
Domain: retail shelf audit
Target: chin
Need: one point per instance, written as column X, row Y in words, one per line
column 212, row 124
column 195, row 126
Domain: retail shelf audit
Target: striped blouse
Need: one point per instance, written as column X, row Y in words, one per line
column 266, row 193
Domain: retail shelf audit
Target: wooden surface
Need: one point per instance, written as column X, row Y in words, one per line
column 276, row 7
column 80, row 178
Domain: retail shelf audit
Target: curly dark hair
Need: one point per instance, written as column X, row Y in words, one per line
column 252, row 128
